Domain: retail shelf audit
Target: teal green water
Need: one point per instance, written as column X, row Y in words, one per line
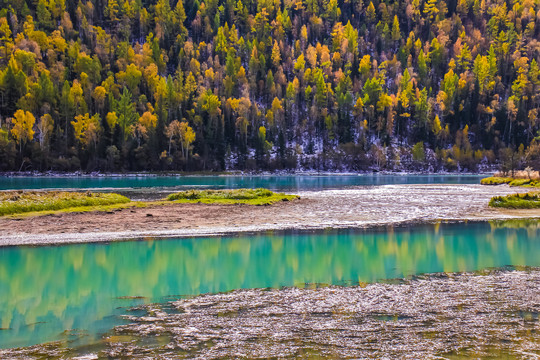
column 283, row 183
column 47, row 290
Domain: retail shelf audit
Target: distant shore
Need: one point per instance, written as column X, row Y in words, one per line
column 487, row 172
column 356, row 207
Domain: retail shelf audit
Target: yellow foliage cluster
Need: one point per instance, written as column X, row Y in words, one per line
column 23, row 124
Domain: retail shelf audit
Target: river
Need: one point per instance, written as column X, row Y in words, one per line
column 273, row 182
column 83, row 288
column 80, row 296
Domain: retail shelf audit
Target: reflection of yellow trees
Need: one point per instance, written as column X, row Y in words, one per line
column 70, row 284
column 512, row 242
column 440, row 249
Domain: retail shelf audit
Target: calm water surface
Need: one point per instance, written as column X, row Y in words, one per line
column 45, row 291
column 283, row 183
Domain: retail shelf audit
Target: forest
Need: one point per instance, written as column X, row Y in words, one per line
column 214, row 85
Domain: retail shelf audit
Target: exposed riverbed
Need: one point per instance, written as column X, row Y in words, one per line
column 491, row 314
column 456, row 314
column 352, row 207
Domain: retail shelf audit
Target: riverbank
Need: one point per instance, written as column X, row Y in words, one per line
column 354, row 207
column 486, row 172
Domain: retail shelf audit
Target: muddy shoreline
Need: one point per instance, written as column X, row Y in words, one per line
column 355, row 207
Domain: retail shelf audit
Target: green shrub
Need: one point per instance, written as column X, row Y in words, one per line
column 238, row 196
column 494, row 180
column 418, row 152
column 16, row 202
column 519, row 182
column 529, row 200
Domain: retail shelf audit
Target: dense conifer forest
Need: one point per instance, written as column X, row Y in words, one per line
column 132, row 85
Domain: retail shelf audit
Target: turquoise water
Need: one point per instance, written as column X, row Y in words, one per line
column 285, row 182
column 45, row 291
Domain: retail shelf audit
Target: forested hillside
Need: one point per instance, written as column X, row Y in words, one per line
column 136, row 85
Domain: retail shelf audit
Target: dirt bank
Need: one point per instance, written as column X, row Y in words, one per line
column 355, row 207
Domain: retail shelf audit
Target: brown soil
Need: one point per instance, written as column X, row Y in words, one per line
column 358, row 207
column 174, row 216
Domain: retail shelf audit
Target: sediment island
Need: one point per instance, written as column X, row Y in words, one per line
column 93, row 217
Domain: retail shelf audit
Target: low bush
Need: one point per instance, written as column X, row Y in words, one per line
column 519, row 182
column 529, row 200
column 16, row 202
column 238, row 196
column 495, row 180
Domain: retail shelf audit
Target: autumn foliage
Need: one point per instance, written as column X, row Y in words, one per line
column 242, row 84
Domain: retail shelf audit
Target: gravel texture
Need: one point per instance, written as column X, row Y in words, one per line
column 355, row 207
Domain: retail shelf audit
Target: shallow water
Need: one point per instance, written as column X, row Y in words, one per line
column 493, row 314
column 78, row 292
column 281, row 183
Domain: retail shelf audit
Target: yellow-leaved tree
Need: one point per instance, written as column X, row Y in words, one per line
column 112, row 121
column 183, row 133
column 87, row 129
column 147, row 123
column 148, row 120
column 187, row 137
column 23, row 127
column 45, row 127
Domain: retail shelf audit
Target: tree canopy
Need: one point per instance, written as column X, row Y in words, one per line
column 129, row 85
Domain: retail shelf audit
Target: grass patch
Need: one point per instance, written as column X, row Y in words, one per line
column 238, row 196
column 22, row 204
column 18, row 202
column 494, row 180
column 529, row 200
column 84, row 209
column 525, row 183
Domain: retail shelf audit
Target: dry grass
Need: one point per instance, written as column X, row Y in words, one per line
column 520, row 174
